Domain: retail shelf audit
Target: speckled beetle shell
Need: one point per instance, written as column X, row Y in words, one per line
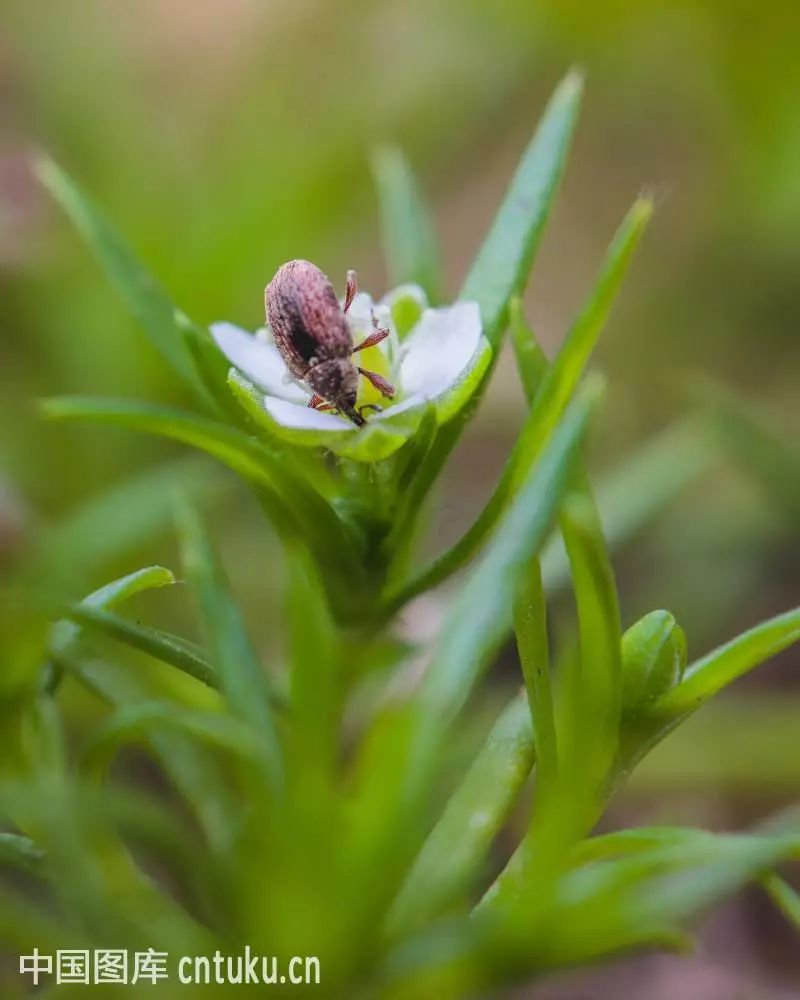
column 306, row 319
column 312, row 333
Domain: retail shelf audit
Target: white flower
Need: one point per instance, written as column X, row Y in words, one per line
column 442, row 347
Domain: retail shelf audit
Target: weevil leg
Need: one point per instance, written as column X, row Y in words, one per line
column 318, row 403
column 368, row 406
column 378, row 381
column 374, row 338
column 350, row 289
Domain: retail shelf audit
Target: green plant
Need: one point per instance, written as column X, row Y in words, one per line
column 313, row 807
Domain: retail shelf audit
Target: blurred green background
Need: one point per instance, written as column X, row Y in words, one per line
column 227, row 136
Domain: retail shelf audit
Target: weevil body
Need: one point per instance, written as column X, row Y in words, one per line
column 311, row 332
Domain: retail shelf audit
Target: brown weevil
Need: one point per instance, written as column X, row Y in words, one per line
column 312, row 334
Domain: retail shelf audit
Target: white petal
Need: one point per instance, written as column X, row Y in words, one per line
column 439, row 348
column 303, row 417
column 257, row 359
column 359, row 315
column 391, row 411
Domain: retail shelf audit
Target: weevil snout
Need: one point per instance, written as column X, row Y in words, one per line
column 337, row 382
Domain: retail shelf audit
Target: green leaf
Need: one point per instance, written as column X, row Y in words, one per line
column 632, row 841
column 596, row 697
column 143, row 296
column 646, row 897
column 116, row 520
column 557, row 386
column 530, row 629
column 65, row 634
column 316, row 694
column 409, row 239
column 455, row 850
column 163, row 646
column 479, row 620
column 295, row 508
column 532, row 362
column 135, row 722
column 193, row 768
column 559, row 381
column 631, row 495
column 605, row 905
column 241, row 676
column 746, row 434
column 715, row 671
column 784, row 897
column 20, row 852
column 588, row 720
column 378, row 440
column 653, row 659
column 502, row 267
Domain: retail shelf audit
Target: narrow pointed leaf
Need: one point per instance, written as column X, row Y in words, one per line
column 556, row 387
column 456, row 849
column 631, row 495
column 786, row 898
column 596, row 700
column 746, row 434
column 481, row 616
column 502, row 267
column 143, row 296
column 409, row 238
column 532, row 363
column 168, row 648
column 241, row 675
column 530, row 629
column 295, row 508
column 315, row 684
column 135, row 722
column 504, row 262
column 65, row 634
column 20, row 852
column 194, row 769
column 715, row 671
column 117, row 519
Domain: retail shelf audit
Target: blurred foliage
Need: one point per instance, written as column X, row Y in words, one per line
column 225, row 138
